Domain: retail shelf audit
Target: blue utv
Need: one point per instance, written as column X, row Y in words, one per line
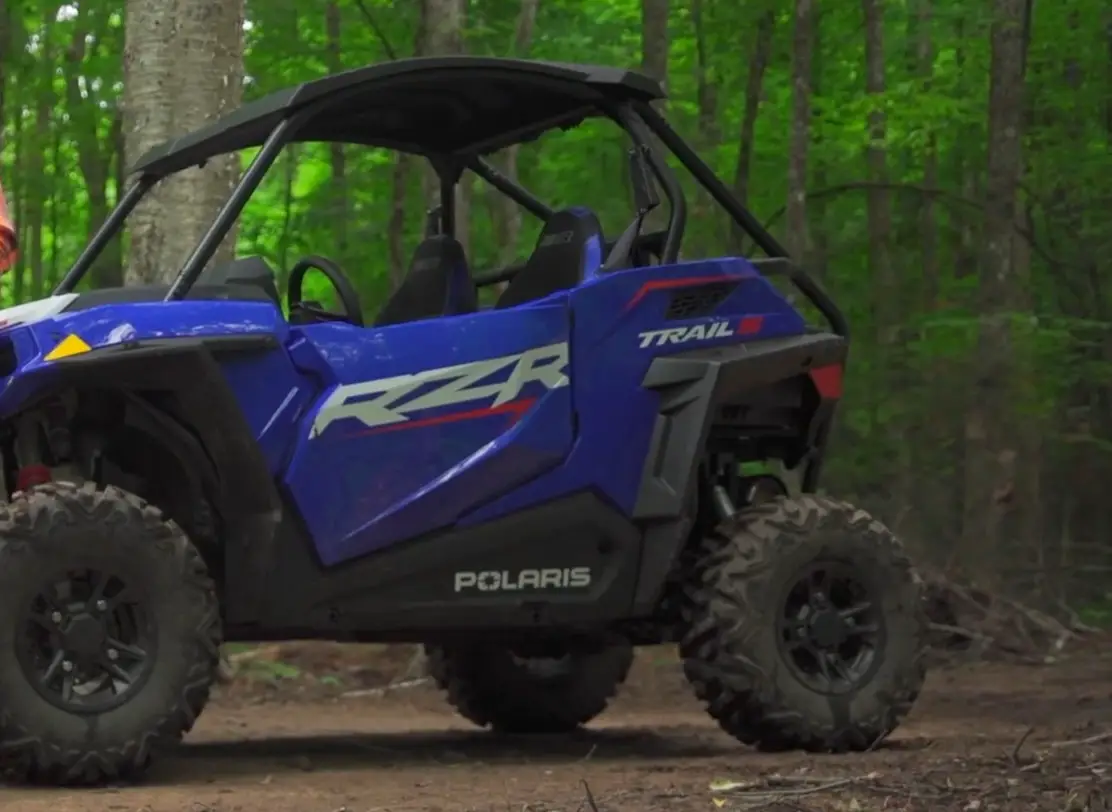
column 529, row 489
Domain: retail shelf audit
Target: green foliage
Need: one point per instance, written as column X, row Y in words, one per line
column 907, row 386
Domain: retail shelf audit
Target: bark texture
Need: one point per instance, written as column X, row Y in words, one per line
column 183, row 67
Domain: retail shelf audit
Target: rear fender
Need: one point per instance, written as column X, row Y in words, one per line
column 692, row 386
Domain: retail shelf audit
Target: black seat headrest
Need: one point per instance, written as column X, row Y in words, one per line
column 438, row 283
column 568, row 247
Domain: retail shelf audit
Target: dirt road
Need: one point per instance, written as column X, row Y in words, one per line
column 655, row 750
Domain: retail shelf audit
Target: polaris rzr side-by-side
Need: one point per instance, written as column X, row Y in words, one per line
column 529, row 489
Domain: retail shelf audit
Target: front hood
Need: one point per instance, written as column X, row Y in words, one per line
column 32, row 312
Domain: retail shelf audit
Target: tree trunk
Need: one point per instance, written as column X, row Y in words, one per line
column 754, row 88
column 802, row 44
column 337, row 156
column 395, row 229
column 508, row 212
column 18, row 206
column 165, row 41
column 443, row 29
column 818, row 223
column 94, row 159
column 399, row 181
column 989, row 435
column 878, row 203
column 704, row 239
column 654, row 39
column 36, row 209
column 928, row 218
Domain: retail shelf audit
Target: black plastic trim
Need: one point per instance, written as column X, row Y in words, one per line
column 187, row 371
column 406, row 591
column 692, row 385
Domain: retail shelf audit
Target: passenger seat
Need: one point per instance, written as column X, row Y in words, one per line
column 437, row 283
column 568, row 250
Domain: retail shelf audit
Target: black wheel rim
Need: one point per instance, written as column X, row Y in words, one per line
column 831, row 629
column 86, row 642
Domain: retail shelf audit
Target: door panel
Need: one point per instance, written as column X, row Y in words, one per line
column 426, row 421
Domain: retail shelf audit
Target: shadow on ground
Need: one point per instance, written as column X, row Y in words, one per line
column 212, row 761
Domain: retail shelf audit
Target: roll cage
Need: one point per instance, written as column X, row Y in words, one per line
column 453, row 111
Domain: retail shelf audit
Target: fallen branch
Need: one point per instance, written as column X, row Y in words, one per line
column 1097, row 739
column 1019, row 745
column 590, row 797
column 384, row 690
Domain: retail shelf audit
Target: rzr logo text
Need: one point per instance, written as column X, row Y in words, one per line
column 388, row 401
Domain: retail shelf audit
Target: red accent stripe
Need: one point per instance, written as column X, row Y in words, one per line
column 515, row 408
column 749, row 325
column 679, row 282
column 828, row 381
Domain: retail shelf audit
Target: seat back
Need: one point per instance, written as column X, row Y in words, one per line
column 568, row 249
column 437, row 283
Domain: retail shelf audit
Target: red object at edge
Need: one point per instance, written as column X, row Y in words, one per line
column 32, row 475
column 8, row 245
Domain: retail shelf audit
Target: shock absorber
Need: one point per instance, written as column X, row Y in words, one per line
column 32, row 470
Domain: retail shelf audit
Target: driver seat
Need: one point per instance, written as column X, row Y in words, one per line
column 437, row 283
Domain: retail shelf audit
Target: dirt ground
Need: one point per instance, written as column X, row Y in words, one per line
column 984, row 737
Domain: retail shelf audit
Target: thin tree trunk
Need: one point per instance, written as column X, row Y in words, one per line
column 928, row 217
column 36, row 225
column 93, row 158
column 878, row 202
column 19, row 207
column 754, row 89
column 57, row 170
column 443, row 22
column 395, row 230
column 508, row 213
column 337, row 155
column 705, row 240
column 966, row 259
column 654, row 39
column 803, row 37
column 990, row 437
column 399, row 180
column 817, row 221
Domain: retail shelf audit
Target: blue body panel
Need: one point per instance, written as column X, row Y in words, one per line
column 379, row 435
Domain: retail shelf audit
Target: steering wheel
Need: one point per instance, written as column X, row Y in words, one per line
column 308, row 312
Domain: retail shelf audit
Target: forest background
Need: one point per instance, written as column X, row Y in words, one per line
column 943, row 167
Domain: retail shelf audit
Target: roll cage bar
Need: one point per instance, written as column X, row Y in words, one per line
column 636, row 116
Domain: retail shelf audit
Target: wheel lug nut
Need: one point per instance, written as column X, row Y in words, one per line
column 67, row 666
column 56, row 617
column 102, row 606
column 113, row 654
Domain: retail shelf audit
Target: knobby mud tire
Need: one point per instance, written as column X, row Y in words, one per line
column 732, row 599
column 487, row 686
column 52, row 528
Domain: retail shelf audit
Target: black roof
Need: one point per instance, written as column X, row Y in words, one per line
column 431, row 105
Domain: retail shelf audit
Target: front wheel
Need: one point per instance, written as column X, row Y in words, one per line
column 804, row 627
column 517, row 692
column 109, row 634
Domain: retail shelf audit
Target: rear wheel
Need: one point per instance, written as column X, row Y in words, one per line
column 804, row 626
column 114, row 626
column 510, row 691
